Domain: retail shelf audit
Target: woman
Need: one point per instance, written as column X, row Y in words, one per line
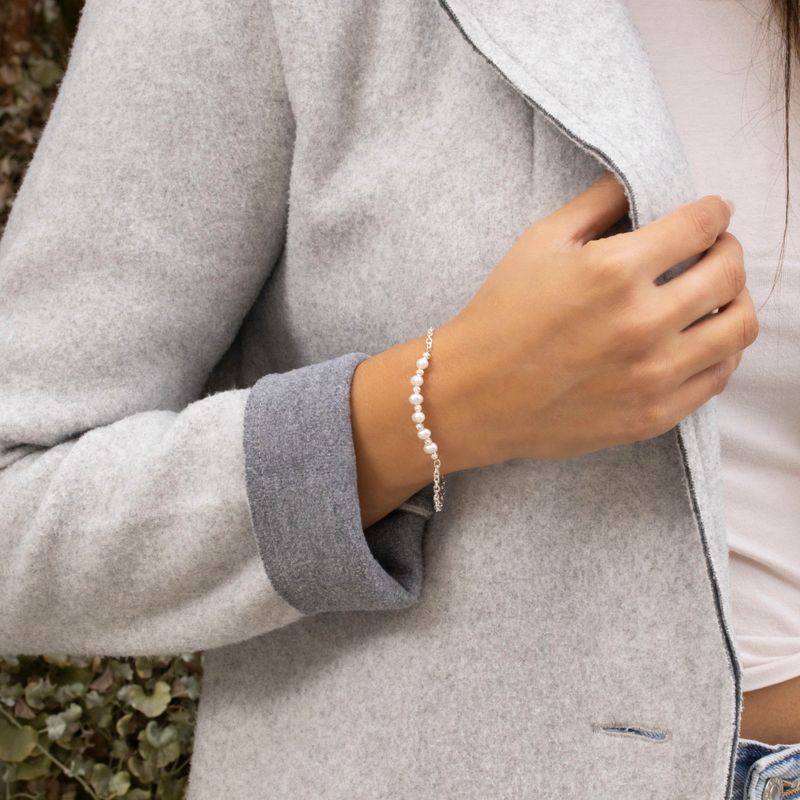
column 216, row 281
column 735, row 82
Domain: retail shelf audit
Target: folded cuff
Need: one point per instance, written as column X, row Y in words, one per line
column 302, row 489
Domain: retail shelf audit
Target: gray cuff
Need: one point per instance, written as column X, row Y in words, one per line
column 302, row 489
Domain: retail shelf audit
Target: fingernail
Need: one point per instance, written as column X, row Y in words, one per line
column 730, row 203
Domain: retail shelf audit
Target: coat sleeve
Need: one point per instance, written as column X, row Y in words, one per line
column 138, row 514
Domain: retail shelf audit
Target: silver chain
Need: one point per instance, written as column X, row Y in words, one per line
column 438, row 478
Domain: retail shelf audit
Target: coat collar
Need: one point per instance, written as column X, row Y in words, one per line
column 584, row 65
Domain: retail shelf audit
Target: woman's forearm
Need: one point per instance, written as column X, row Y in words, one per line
column 391, row 463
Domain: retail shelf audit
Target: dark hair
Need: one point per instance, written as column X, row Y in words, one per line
column 786, row 15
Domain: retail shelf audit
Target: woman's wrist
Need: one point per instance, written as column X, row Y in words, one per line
column 390, row 459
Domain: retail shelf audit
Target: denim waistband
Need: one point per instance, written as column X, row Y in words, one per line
column 766, row 771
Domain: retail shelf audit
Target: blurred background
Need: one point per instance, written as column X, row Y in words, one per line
column 94, row 727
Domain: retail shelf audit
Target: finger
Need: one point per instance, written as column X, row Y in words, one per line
column 693, row 393
column 589, row 213
column 716, row 279
column 685, row 231
column 715, row 338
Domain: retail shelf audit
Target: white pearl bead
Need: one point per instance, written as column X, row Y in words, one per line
column 422, row 363
column 417, row 380
column 417, row 417
column 431, row 448
column 423, row 433
column 415, row 399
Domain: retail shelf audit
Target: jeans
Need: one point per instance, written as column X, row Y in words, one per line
column 766, row 771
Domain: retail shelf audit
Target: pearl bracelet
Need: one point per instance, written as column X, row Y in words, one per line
column 418, row 418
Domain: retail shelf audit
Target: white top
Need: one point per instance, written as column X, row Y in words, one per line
column 715, row 60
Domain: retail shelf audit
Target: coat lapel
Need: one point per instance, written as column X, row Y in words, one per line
column 582, row 63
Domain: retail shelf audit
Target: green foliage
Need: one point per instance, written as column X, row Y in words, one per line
column 35, row 38
column 76, row 728
column 102, row 728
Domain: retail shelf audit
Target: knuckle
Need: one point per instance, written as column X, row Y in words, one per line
column 732, row 241
column 703, row 222
column 749, row 329
column 651, row 377
column 732, row 268
column 652, row 420
column 645, row 411
column 609, row 265
column 634, row 334
column 720, row 374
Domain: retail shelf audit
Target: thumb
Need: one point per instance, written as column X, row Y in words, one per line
column 589, row 213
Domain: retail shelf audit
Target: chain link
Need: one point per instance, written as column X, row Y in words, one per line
column 438, row 477
column 438, row 485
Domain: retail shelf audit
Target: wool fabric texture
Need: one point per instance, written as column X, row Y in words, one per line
column 232, row 205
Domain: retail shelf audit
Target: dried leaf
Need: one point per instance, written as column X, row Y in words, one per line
column 22, row 710
column 102, row 683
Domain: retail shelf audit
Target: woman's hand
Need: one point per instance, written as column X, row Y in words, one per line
column 569, row 346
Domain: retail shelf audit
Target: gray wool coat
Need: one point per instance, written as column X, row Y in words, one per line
column 232, row 205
